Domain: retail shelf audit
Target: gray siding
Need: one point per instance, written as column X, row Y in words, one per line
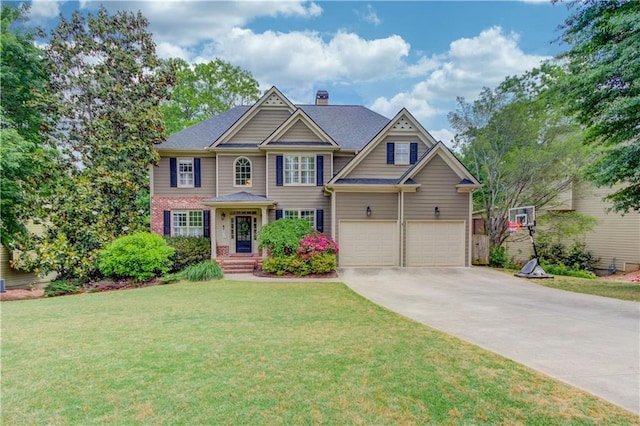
column 299, row 197
column 162, row 182
column 375, row 164
column 339, row 162
column 260, row 126
column 353, row 205
column 226, row 175
column 438, row 189
column 614, row 236
column 299, row 132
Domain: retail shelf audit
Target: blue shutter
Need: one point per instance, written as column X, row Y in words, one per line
column 173, row 171
column 166, row 227
column 206, row 226
column 413, row 152
column 320, row 220
column 391, row 150
column 196, row 172
column 279, row 171
column 278, row 214
column 319, row 170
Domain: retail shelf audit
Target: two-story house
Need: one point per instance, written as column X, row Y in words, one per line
column 385, row 190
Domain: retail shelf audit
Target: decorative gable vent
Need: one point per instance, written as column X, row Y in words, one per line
column 402, row 124
column 274, row 100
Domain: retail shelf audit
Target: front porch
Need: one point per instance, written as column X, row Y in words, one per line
column 236, row 220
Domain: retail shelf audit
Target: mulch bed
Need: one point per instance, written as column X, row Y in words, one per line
column 260, row 273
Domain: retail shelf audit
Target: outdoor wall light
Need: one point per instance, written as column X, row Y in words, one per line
column 368, row 211
column 223, row 216
column 436, row 211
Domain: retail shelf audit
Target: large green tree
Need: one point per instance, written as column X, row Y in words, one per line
column 602, row 89
column 22, row 75
column 206, row 89
column 519, row 145
column 103, row 117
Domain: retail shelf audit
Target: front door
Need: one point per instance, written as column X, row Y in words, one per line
column 243, row 234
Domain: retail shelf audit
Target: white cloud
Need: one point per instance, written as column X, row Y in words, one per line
column 296, row 61
column 368, row 14
column 419, row 108
column 445, row 135
column 44, row 9
column 468, row 66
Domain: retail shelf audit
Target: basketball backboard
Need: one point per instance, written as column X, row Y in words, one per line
column 524, row 216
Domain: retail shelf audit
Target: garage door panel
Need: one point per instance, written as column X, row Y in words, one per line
column 368, row 243
column 436, row 243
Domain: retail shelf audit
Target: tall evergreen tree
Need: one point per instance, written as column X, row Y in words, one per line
column 104, row 117
column 602, row 89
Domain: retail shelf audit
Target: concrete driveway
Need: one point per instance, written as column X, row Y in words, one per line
column 590, row 342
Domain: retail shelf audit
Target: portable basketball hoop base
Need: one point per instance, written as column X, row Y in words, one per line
column 526, row 217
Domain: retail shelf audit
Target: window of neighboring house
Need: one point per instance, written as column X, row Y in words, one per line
column 187, row 223
column 299, row 169
column 185, row 173
column 402, row 153
column 308, row 215
column 242, row 169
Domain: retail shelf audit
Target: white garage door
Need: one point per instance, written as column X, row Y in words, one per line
column 435, row 243
column 368, row 243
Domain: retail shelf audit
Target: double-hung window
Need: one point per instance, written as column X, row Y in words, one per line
column 185, row 173
column 308, row 215
column 188, row 223
column 299, row 169
column 402, row 153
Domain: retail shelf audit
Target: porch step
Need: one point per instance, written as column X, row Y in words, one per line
column 239, row 265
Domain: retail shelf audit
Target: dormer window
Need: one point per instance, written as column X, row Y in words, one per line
column 242, row 170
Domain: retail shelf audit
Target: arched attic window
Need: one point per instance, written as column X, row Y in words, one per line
column 242, row 171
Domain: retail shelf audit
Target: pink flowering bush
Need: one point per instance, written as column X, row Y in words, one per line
column 316, row 243
column 316, row 254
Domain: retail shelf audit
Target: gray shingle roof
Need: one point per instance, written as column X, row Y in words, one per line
column 202, row 134
column 350, row 126
column 238, row 197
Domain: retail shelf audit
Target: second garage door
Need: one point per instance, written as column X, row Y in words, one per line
column 368, row 243
column 436, row 243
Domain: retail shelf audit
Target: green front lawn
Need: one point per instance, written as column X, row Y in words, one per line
column 260, row 353
column 614, row 289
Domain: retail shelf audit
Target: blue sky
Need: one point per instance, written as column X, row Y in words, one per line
column 385, row 55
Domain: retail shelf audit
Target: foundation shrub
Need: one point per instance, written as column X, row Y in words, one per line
column 138, row 256
column 188, row 251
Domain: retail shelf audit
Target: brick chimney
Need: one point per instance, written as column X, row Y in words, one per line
column 322, row 97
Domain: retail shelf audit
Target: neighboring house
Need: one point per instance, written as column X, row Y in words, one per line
column 615, row 239
column 19, row 279
column 385, row 190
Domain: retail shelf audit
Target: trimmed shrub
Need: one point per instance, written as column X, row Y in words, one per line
column 575, row 258
column 315, row 244
column 188, row 251
column 282, row 265
column 203, row 271
column 283, row 236
column 323, row 263
column 62, row 287
column 138, row 256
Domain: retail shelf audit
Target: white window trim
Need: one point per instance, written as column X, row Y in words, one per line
column 250, row 173
column 298, row 215
column 188, row 227
column 395, row 153
column 193, row 172
column 299, row 171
